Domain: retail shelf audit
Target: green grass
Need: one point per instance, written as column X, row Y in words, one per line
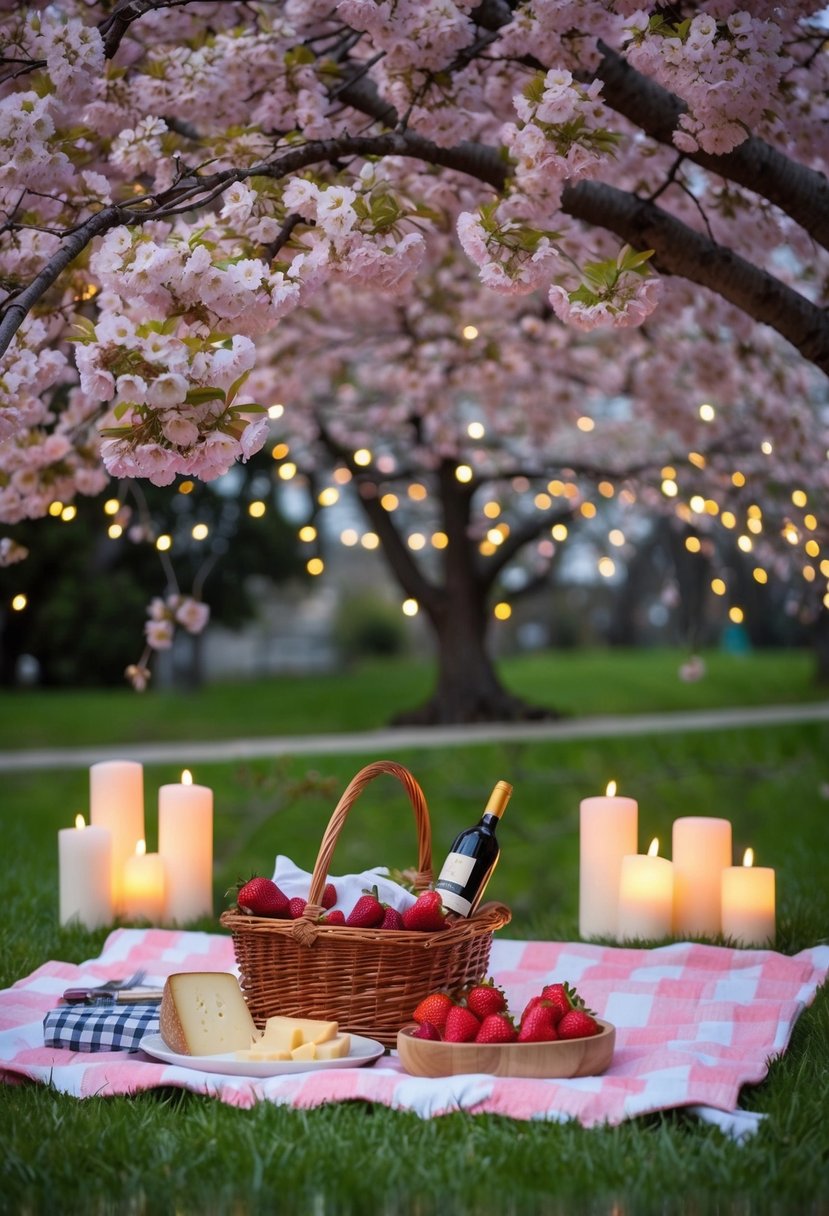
column 573, row 682
column 172, row 1152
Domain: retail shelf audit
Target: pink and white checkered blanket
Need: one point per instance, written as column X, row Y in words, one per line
column 694, row 1024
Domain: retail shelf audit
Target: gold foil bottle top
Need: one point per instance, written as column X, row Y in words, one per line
column 498, row 799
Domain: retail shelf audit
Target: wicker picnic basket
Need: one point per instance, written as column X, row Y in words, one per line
column 368, row 980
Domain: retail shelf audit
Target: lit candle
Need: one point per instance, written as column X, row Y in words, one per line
column 748, row 903
column 646, row 895
column 85, row 868
column 116, row 802
column 701, row 851
column 144, row 885
column 608, row 828
column 185, row 841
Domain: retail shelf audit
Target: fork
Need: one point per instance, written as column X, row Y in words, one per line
column 101, row 991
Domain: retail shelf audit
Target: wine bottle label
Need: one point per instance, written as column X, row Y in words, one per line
column 454, row 902
column 457, row 869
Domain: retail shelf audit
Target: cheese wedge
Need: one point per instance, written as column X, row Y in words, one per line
column 204, row 1013
column 282, row 1034
column 313, row 1030
column 306, row 1051
column 334, row 1049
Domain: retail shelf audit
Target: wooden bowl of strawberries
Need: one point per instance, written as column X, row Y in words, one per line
column 473, row 1032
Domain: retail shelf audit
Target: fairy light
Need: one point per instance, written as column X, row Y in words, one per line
column 799, row 498
column 199, row 531
column 417, row 492
column 256, row 509
column 463, row 473
column 362, row 457
column 114, row 531
column 502, row 611
column 370, row 540
column 766, row 447
column 495, row 537
column 68, row 513
column 607, row 567
column 19, row 602
column 440, row 540
column 307, row 533
column 491, row 510
column 315, row 566
column 812, row 548
column 476, row 430
column 791, row 534
column 585, row 423
column 683, row 512
column 729, row 520
column 279, row 451
column 693, row 544
column 556, row 488
column 697, row 460
column 416, row 541
column 707, row 412
column 606, row 489
column 559, row 532
column 588, row 510
column 738, row 478
column 486, row 548
column 755, row 526
column 669, row 488
column 328, row 496
column 697, row 504
column 760, row 576
column 470, row 332
column 342, row 476
column 754, row 511
column 186, row 487
column 111, row 506
column 349, row 537
column 164, row 543
column 410, row 607
column 809, row 574
column 55, row 508
column 736, row 615
column 389, row 502
column 668, row 472
column 287, row 471
column 616, row 537
column 571, row 490
column 543, row 502
column 810, row 521
column 745, row 543
column 718, row 586
column 824, row 567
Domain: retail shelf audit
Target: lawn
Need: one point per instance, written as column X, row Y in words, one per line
column 173, row 1152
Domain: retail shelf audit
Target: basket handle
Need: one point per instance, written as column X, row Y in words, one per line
column 352, row 792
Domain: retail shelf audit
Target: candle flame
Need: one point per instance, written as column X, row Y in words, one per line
column 748, row 857
column 653, row 851
column 140, row 848
column 611, row 789
column 80, row 822
column 187, row 777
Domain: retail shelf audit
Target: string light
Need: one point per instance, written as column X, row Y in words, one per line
column 328, row 496
column 559, row 532
column 111, row 506
column 342, row 476
column 543, row 502
column 68, row 513
column 502, row 611
column 276, row 410
column 760, row 575
column 738, row 479
column 370, row 540
column 279, row 451
column 556, row 488
column 416, row 541
column 349, row 537
column 315, row 565
column 186, row 487
column 55, row 508
column 470, row 332
column 410, row 607
column 799, row 498
column 19, row 602
column 362, row 457
column 440, row 540
column 476, row 430
column 707, row 412
column 588, row 510
column 463, row 473
column 718, row 586
column 606, row 489
column 697, row 504
column 492, row 510
column 693, row 544
column 307, row 533
column 199, row 531
column 607, row 567
column 287, row 470
column 256, row 509
column 736, row 615
column 729, row 520
column 616, row 537
column 745, row 543
column 417, row 492
column 164, row 543
column 114, row 531
column 697, row 460
column 585, row 424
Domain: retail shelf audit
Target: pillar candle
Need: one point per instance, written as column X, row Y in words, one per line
column 701, row 851
column 748, row 903
column 608, row 829
column 185, row 841
column 85, row 869
column 144, row 885
column 646, row 895
column 116, row 802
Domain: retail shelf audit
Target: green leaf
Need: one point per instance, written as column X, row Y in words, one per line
column 198, row 396
column 116, row 432
column 235, row 386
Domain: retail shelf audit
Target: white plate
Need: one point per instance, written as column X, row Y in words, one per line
column 363, row 1051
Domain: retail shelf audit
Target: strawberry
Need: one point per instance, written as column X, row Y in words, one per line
column 578, row 1024
column 426, row 1030
column 329, row 895
column 485, row 998
column 434, row 1009
column 296, row 907
column 497, row 1028
column 538, row 1024
column 426, row 914
column 391, row 919
column 461, row 1025
column 562, row 997
column 334, row 918
column 262, row 897
column 367, row 913
column 531, row 1004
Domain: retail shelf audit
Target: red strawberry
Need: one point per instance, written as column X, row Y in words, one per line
column 262, row 897
column 391, row 919
column 427, row 913
column 426, row 1031
column 329, row 895
column 531, row 1004
column 434, row 1009
column 538, row 1025
column 334, row 918
column 497, row 1028
column 485, row 998
column 367, row 913
column 296, row 907
column 461, row 1025
column 562, row 997
column 578, row 1024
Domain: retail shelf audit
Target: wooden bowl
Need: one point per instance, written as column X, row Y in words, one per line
column 561, row 1058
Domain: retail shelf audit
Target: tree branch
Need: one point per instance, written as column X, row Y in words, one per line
column 689, row 254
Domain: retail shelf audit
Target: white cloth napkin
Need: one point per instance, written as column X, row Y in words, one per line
column 349, row 887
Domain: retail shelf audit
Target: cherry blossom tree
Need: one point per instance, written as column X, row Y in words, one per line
column 631, row 203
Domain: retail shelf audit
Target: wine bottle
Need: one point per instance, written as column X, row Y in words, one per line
column 472, row 858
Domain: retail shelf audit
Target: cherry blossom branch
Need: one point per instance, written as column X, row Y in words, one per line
column 681, row 251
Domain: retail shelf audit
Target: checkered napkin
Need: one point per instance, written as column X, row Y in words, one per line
column 99, row 1027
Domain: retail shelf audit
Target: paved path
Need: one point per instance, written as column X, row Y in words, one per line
column 386, row 743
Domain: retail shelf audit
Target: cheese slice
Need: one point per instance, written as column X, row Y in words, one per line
column 313, row 1030
column 258, row 1055
column 282, row 1034
column 306, row 1051
column 204, row 1013
column 334, row 1049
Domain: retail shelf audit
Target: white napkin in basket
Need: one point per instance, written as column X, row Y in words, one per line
column 293, row 881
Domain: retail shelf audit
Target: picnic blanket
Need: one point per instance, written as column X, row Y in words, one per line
column 694, row 1024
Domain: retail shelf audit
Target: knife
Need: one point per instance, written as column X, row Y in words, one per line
column 123, row 996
